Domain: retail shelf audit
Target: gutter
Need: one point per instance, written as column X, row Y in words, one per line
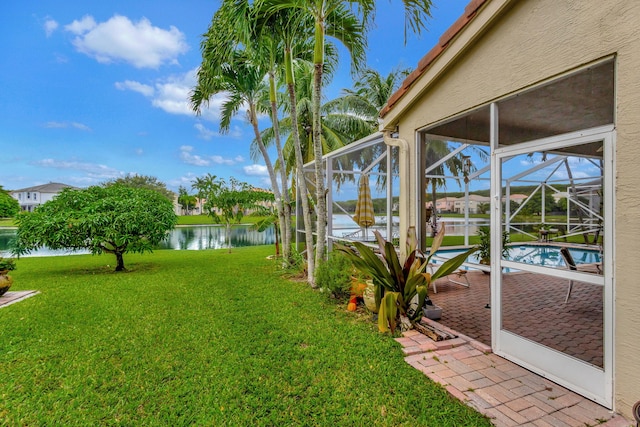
column 405, row 188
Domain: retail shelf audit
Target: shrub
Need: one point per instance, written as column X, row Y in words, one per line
column 7, row 264
column 334, row 275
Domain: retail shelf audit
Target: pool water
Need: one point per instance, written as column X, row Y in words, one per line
column 548, row 256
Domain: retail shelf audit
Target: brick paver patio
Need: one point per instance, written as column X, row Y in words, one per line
column 507, row 393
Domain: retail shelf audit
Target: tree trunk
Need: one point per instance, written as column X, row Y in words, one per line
column 229, row 236
column 267, row 160
column 119, row 261
column 302, row 184
column 277, row 240
column 285, row 223
column 321, row 201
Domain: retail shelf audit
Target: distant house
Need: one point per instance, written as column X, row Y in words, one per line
column 474, row 203
column 31, row 197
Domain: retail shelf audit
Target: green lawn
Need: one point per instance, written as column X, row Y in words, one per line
column 7, row 222
column 204, row 219
column 200, row 338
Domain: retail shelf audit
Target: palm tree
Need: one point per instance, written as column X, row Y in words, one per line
column 367, row 98
column 340, row 126
column 454, row 166
column 346, row 21
column 233, row 28
column 243, row 81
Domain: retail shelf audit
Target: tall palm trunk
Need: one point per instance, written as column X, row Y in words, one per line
column 321, row 201
column 302, row 184
column 285, row 217
column 272, row 174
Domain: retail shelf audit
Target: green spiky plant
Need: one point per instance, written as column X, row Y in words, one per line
column 401, row 286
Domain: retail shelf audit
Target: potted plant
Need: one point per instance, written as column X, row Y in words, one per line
column 400, row 285
column 6, row 265
column 484, row 247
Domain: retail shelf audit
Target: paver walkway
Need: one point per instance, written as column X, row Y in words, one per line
column 13, row 297
column 507, row 393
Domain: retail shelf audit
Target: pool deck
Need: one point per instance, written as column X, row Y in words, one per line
column 504, row 391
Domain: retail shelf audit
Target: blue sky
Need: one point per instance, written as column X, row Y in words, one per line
column 94, row 90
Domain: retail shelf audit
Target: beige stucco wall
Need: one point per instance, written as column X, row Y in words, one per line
column 531, row 41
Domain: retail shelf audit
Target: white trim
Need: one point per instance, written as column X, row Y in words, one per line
column 578, row 378
column 496, row 241
column 591, row 381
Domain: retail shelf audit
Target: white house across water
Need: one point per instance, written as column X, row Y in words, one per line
column 32, row 197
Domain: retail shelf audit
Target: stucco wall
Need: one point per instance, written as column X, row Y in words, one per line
column 532, row 41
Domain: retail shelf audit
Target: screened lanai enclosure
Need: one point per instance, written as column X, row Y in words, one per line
column 537, row 166
column 368, row 163
column 551, row 146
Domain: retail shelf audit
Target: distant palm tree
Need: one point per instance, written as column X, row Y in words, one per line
column 454, row 166
column 242, row 80
column 369, row 95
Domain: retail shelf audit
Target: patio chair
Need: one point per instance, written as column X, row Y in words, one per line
column 461, row 274
column 571, row 264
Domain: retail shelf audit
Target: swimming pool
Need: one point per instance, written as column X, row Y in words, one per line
column 548, row 256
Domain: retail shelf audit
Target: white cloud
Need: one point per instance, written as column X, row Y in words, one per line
column 146, row 90
column 172, row 94
column 256, row 170
column 119, row 39
column 192, row 159
column 60, row 59
column 50, row 26
column 93, row 170
column 87, row 23
column 56, row 125
column 203, row 132
column 64, row 125
column 222, row 161
column 187, row 156
column 185, row 181
column 80, row 126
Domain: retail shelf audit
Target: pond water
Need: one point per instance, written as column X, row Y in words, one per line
column 195, row 237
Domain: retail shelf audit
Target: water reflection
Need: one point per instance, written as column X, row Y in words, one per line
column 181, row 238
column 214, row 237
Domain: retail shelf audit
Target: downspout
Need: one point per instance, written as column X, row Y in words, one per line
column 404, row 208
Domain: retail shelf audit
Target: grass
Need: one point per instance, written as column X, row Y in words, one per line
column 200, row 338
column 182, row 220
column 205, row 219
column 7, row 222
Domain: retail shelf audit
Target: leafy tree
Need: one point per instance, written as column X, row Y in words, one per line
column 533, row 206
column 186, row 201
column 115, row 219
column 483, row 208
column 9, row 206
column 227, row 202
column 144, row 181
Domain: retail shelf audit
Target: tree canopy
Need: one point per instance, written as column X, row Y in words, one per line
column 186, row 201
column 227, row 202
column 115, row 219
column 143, row 181
column 9, row 206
